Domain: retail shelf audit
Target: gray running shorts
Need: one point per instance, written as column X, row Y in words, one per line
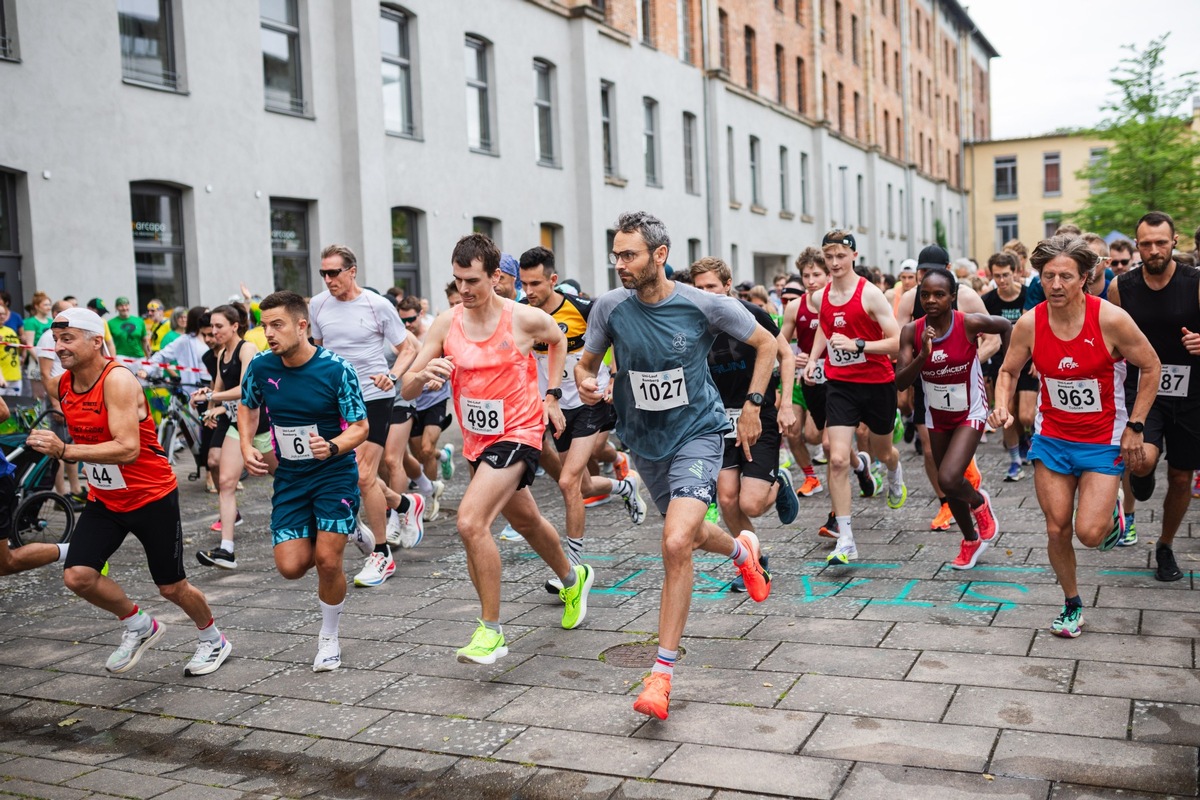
column 691, row 472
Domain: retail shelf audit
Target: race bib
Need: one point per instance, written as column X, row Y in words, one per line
column 733, row 414
column 1074, row 397
column 818, row 373
column 1174, row 380
column 568, row 375
column 946, row 396
column 105, row 477
column 294, row 443
column 844, row 358
column 658, row 391
column 485, row 417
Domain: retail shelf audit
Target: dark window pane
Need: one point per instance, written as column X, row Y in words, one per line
column 8, row 223
column 160, row 275
column 404, row 242
column 397, row 98
column 156, row 220
column 291, row 273
column 281, row 70
column 289, row 229
column 145, row 27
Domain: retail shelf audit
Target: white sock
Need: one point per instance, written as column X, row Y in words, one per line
column 621, row 488
column 424, row 485
column 844, row 532
column 227, row 545
column 62, row 553
column 330, row 617
column 896, row 477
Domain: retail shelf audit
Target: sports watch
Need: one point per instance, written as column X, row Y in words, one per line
column 755, row 398
column 1136, row 427
column 555, row 393
column 861, row 344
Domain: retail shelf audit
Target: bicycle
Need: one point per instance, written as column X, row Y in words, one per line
column 179, row 425
column 41, row 514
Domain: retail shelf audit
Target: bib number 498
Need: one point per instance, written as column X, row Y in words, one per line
column 485, row 417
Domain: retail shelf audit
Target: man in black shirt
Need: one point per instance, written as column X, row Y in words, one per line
column 1008, row 300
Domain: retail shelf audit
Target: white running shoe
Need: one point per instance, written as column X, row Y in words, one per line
column 377, row 570
column 844, row 553
column 209, row 656
column 509, row 534
column 634, row 504
column 433, row 506
column 395, row 527
column 363, row 538
column 412, row 529
column 329, row 654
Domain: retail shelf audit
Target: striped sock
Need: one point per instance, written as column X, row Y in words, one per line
column 1014, row 454
column 622, row 488
column 739, row 554
column 665, row 661
column 575, row 551
column 809, row 472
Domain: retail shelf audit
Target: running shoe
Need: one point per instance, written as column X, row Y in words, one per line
column 1118, row 524
column 820, row 459
column 486, row 646
column 1015, row 473
column 133, row 644
column 868, row 485
column 209, row 656
column 968, row 554
column 943, row 520
column 757, row 579
column 634, row 503
column 1196, row 485
column 620, row 467
column 785, row 457
column 830, row 529
column 575, row 597
column 896, row 500
column 216, row 526
column 447, row 459
column 377, row 570
column 1023, row 445
column 1068, row 622
column 597, row 501
column 329, row 654
column 217, row 558
column 509, row 534
column 713, row 514
column 739, row 583
column 363, row 538
column 655, row 695
column 812, row 485
column 1167, row 570
column 844, row 553
column 985, row 520
column 539, row 472
column 434, row 505
column 1130, row 537
column 973, row 476
column 395, row 526
column 787, row 505
column 898, row 428
column 553, row 586
column 1142, row 486
column 412, row 529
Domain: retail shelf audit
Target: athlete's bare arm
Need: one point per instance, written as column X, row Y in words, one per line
column 984, row 325
column 909, row 363
column 787, row 328
column 1020, row 346
column 818, row 350
column 969, row 302
column 534, row 325
column 1127, row 340
column 749, row 424
column 125, row 403
column 585, row 377
column 904, row 309
column 875, row 304
column 429, row 367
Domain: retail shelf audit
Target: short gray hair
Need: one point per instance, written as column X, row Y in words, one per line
column 1073, row 247
column 653, row 232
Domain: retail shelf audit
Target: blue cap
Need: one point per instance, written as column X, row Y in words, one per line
column 510, row 266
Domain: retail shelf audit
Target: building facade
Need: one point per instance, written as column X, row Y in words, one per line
column 154, row 148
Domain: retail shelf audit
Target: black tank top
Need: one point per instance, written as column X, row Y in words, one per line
column 1162, row 315
column 231, row 376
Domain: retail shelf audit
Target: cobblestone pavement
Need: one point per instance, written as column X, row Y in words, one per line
column 896, row 677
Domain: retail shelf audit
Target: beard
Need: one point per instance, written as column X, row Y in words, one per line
column 1155, row 265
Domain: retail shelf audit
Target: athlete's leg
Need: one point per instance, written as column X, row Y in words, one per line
column 550, row 459
column 331, row 575
column 729, row 487
column 229, row 473
column 1056, row 496
column 1097, row 497
column 952, row 451
column 522, row 512
column 684, row 531
column 1175, row 504
column 30, row 556
column 99, row 590
column 393, row 456
column 575, row 483
column 425, row 449
column 841, row 441
column 190, row 599
column 295, row 557
column 881, row 449
column 374, row 503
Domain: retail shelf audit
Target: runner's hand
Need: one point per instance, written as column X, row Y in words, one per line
column 927, row 341
column 1132, row 450
column 787, row 419
column 1191, row 342
column 1000, row 418
column 319, row 447
column 255, row 463
column 749, row 428
column 45, row 441
column 437, row 372
column 589, row 391
column 553, row 416
column 383, row 381
column 841, row 341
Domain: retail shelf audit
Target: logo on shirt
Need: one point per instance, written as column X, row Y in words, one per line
column 1067, row 363
column 562, row 326
column 839, row 319
column 274, row 382
column 679, row 343
column 505, row 344
column 812, row 326
column 1091, row 342
column 938, row 356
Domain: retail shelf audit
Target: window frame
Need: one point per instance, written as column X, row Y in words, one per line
column 1009, row 166
column 484, row 98
column 1006, row 228
column 410, row 270
column 785, row 200
column 297, row 104
column 304, row 253
column 170, row 77
column 750, row 43
column 608, row 139
column 690, row 183
column 755, row 172
column 804, row 185
column 176, row 248
column 405, row 63
column 651, row 142
column 9, row 45
column 545, row 109
column 1054, row 160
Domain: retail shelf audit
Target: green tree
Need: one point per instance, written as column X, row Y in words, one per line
column 1151, row 164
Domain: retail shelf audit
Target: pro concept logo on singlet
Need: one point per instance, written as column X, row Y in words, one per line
column 1174, row 380
column 1074, row 397
column 485, row 417
column 658, row 391
column 105, row 477
column 294, row 442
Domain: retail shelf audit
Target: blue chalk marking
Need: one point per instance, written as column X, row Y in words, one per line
column 1005, row 605
column 616, row 587
column 901, row 599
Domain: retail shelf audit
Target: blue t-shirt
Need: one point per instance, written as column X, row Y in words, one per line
column 323, row 392
column 662, row 390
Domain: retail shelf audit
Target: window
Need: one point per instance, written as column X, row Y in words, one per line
column 751, row 61
column 733, row 258
column 920, row 90
column 903, row 212
column 685, row 30
column 607, row 112
column 801, row 100
column 755, row 176
column 921, row 149
column 397, row 72
column 8, row 39
column 1050, row 222
column 923, row 218
column 289, row 246
column 1006, row 229
column 609, row 237
column 650, row 140
column 824, row 95
column 406, row 254
column 479, row 108
column 1095, row 159
column 857, row 115
column 887, row 132
column 281, row 56
column 918, row 28
column 883, row 65
column 1006, row 177
column 837, row 23
column 860, row 202
column 804, row 207
column 779, row 74
column 693, row 251
column 730, row 167
column 550, row 236
column 690, row 184
column 488, row 227
column 899, row 138
column 10, row 247
column 891, row 228
column 898, row 82
column 723, row 37
column 157, row 223
column 147, row 42
column 784, row 182
column 800, row 11
column 646, row 21
column 854, row 38
column 841, row 107
column 543, row 112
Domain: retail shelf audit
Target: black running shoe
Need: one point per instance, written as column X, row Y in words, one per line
column 219, row 557
column 1142, row 485
column 910, row 431
column 1167, row 570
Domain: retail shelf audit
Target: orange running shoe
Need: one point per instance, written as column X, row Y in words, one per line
column 598, row 500
column 943, row 520
column 758, row 580
column 621, row 467
column 972, row 475
column 655, row 696
column 812, row 485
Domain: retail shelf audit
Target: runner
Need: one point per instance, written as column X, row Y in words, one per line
column 128, row 331
column 1083, row 435
column 358, row 325
column 1008, row 300
column 483, row 348
column 584, row 425
column 132, row 490
column 859, row 332
column 800, row 322
column 940, row 350
column 670, row 416
column 429, row 419
column 1163, row 299
column 308, row 393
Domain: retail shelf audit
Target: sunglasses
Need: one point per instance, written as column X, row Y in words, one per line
column 409, row 320
column 1121, row 262
column 332, row 273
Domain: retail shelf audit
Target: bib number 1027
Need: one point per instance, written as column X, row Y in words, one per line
column 658, row 391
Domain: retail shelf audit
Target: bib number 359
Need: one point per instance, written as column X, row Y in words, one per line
column 659, row 391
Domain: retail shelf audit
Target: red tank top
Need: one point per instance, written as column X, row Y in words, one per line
column 806, row 325
column 1082, row 394
column 952, row 379
column 119, row 487
column 852, row 320
column 495, row 387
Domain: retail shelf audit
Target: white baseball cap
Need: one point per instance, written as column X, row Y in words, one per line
column 83, row 319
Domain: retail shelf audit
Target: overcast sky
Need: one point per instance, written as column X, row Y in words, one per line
column 1056, row 56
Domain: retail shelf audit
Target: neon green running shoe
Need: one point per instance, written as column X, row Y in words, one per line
column 895, row 501
column 486, row 646
column 104, row 569
column 575, row 598
column 713, row 514
column 898, row 428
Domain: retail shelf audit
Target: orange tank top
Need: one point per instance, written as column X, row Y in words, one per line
column 119, row 487
column 495, row 387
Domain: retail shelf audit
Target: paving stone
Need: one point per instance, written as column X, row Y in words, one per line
column 275, row 742
column 959, row 638
column 937, row 613
column 194, row 792
column 467, row 737
column 193, row 702
column 263, row 644
column 206, row 776
column 443, row 662
column 413, row 765
column 1137, row 681
column 1158, row 650
column 90, row 689
column 554, row 784
column 1013, row 672
column 1096, row 620
column 717, row 626
column 1173, row 723
column 423, row 694
column 657, row 790
column 863, row 662
column 484, row 778
column 859, row 633
column 771, row 773
column 725, row 726
column 308, row 717
column 1170, row 623
column 726, row 653
column 41, row 791
column 143, row 725
column 868, row 697
column 580, row 643
column 573, row 673
column 272, row 619
column 1049, row 712
column 343, row 754
column 43, row 770
column 594, row 752
column 1165, row 768
column 1148, row 598
column 350, row 686
column 1070, row 791
column 884, row 782
column 730, row 686
column 17, row 679
column 902, row 742
column 39, row 653
column 597, row 712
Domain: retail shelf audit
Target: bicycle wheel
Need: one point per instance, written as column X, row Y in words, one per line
column 43, row 517
column 166, row 438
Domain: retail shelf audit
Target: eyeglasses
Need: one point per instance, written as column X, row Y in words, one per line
column 625, row 256
column 409, row 320
column 332, row 273
column 1121, row 262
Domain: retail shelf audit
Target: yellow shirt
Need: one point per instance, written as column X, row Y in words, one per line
column 10, row 357
column 258, row 338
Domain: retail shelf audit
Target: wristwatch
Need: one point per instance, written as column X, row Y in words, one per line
column 395, row 378
column 861, row 345
column 555, row 393
column 754, row 398
column 333, row 449
column 1136, row 427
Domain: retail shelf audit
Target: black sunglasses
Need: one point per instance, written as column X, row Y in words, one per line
column 409, row 320
column 332, row 273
